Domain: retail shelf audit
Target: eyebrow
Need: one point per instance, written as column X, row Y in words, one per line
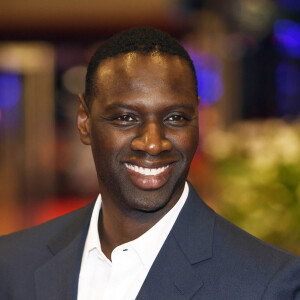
column 133, row 107
column 118, row 105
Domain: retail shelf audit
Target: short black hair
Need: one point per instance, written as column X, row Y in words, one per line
column 143, row 40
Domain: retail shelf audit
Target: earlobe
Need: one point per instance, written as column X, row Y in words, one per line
column 83, row 121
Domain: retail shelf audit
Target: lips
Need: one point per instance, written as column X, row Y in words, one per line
column 148, row 178
column 146, row 171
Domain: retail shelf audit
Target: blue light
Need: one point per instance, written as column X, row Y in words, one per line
column 210, row 86
column 287, row 36
column 288, row 79
column 209, row 71
column 10, row 90
column 290, row 4
column 288, row 89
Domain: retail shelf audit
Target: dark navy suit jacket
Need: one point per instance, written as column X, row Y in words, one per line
column 204, row 257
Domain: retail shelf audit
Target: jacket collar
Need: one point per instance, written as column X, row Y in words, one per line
column 58, row 278
column 190, row 241
column 194, row 228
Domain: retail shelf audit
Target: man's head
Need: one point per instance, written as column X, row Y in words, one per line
column 141, row 40
column 143, row 122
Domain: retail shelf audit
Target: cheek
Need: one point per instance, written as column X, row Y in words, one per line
column 108, row 143
column 102, row 145
column 187, row 142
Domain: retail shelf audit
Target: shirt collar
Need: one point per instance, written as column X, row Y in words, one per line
column 148, row 244
column 92, row 240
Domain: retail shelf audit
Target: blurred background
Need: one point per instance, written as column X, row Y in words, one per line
column 247, row 58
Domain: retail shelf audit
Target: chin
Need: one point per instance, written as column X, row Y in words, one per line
column 154, row 200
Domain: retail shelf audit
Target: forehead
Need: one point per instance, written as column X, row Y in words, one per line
column 134, row 72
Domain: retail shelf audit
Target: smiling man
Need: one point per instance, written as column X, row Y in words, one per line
column 142, row 125
column 148, row 235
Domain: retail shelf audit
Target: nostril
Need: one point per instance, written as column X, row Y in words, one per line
column 152, row 147
column 151, row 140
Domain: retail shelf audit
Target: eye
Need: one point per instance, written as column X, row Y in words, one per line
column 176, row 118
column 124, row 118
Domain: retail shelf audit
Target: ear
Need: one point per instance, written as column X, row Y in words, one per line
column 83, row 121
column 198, row 98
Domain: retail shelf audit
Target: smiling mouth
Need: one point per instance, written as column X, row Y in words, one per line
column 146, row 171
column 148, row 178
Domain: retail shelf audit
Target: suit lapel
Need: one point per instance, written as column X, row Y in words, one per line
column 172, row 275
column 58, row 278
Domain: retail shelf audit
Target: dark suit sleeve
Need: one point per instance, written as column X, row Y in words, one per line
column 285, row 284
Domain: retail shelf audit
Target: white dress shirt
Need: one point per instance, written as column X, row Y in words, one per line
column 123, row 276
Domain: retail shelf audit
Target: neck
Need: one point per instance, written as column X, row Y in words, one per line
column 119, row 224
column 115, row 230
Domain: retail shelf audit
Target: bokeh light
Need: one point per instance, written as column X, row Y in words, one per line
column 209, row 71
column 74, row 79
column 287, row 37
column 288, row 89
column 10, row 90
column 288, row 79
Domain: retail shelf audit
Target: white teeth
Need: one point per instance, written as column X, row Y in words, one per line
column 146, row 171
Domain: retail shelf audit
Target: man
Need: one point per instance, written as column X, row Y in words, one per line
column 148, row 235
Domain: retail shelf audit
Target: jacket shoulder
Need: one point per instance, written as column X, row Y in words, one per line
column 32, row 239
column 248, row 246
column 23, row 253
column 254, row 264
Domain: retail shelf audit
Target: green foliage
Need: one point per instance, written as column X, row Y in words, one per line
column 258, row 170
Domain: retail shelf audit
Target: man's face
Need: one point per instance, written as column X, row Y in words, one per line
column 143, row 130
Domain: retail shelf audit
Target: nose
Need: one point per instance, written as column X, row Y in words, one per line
column 151, row 140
